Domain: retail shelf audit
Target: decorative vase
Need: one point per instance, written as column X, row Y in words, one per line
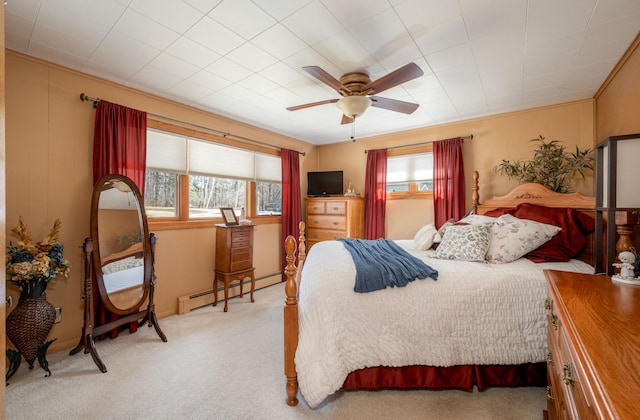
column 28, row 326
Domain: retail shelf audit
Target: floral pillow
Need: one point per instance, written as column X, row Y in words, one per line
column 464, row 242
column 477, row 219
column 512, row 238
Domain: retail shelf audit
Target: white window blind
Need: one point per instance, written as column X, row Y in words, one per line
column 210, row 159
column 268, row 168
column 174, row 153
column 408, row 168
column 166, row 151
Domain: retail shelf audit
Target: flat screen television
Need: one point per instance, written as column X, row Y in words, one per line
column 324, row 183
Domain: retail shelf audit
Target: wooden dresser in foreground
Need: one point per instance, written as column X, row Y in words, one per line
column 234, row 259
column 330, row 218
column 593, row 363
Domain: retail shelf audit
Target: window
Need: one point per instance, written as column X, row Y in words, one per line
column 410, row 175
column 160, row 193
column 190, row 178
column 268, row 198
column 208, row 193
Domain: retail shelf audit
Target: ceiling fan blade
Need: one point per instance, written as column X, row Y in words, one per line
column 397, row 77
column 324, row 77
column 309, row 105
column 346, row 120
column 393, row 104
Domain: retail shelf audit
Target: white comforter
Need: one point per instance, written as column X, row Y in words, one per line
column 475, row 313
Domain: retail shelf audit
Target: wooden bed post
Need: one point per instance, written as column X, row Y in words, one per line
column 291, row 312
column 475, row 196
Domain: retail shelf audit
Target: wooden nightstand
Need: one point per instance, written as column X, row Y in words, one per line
column 234, row 259
column 593, row 362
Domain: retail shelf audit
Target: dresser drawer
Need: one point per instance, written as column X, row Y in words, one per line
column 573, row 379
column 335, row 207
column 240, row 242
column 240, row 262
column 555, row 398
column 318, row 235
column 327, row 222
column 241, row 254
column 315, row 207
column 240, row 237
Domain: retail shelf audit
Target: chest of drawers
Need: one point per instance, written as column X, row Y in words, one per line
column 234, row 258
column 330, row 218
column 593, row 363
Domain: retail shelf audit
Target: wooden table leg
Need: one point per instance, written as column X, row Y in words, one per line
column 253, row 284
column 215, row 289
column 226, row 293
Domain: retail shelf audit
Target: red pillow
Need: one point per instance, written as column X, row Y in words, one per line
column 499, row 211
column 567, row 243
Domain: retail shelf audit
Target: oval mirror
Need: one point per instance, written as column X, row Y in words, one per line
column 121, row 257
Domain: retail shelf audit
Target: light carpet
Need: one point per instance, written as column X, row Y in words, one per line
column 220, row 365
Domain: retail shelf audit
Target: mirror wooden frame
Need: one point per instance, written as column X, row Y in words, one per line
column 93, row 274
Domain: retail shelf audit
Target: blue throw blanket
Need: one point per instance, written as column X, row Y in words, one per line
column 381, row 263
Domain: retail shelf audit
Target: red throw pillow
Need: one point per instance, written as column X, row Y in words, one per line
column 567, row 243
column 499, row 211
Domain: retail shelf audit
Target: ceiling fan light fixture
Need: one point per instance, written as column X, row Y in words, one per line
column 354, row 106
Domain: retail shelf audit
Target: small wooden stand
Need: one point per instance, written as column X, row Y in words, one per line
column 234, row 259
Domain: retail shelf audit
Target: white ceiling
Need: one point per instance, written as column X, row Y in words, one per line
column 242, row 58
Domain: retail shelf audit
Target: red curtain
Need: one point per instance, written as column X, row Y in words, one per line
column 120, row 143
column 291, row 201
column 448, row 180
column 119, row 147
column 375, row 194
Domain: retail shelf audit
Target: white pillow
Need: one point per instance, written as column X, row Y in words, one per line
column 424, row 237
column 512, row 238
column 464, row 242
column 477, row 219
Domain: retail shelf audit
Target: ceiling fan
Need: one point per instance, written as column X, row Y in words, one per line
column 359, row 92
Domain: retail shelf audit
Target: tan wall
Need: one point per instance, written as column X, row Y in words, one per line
column 497, row 137
column 49, row 175
column 618, row 100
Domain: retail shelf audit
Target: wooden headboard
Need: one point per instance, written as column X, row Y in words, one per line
column 539, row 195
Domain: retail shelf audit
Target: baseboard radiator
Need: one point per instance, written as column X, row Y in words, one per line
column 206, row 297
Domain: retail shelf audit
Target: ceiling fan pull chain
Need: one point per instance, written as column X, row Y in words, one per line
column 353, row 130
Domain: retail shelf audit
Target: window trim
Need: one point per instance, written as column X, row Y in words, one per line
column 182, row 221
column 413, row 193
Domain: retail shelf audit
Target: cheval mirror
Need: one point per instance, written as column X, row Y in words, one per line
column 119, row 256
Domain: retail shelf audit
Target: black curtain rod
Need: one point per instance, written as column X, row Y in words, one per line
column 469, row 137
column 95, row 101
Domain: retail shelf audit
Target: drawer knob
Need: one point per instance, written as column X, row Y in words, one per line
column 336, row 208
column 549, row 394
column 315, row 222
column 547, row 304
column 549, row 359
column 335, row 223
column 554, row 322
column 315, row 235
column 567, row 374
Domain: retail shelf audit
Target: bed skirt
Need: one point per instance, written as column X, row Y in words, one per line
column 457, row 377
